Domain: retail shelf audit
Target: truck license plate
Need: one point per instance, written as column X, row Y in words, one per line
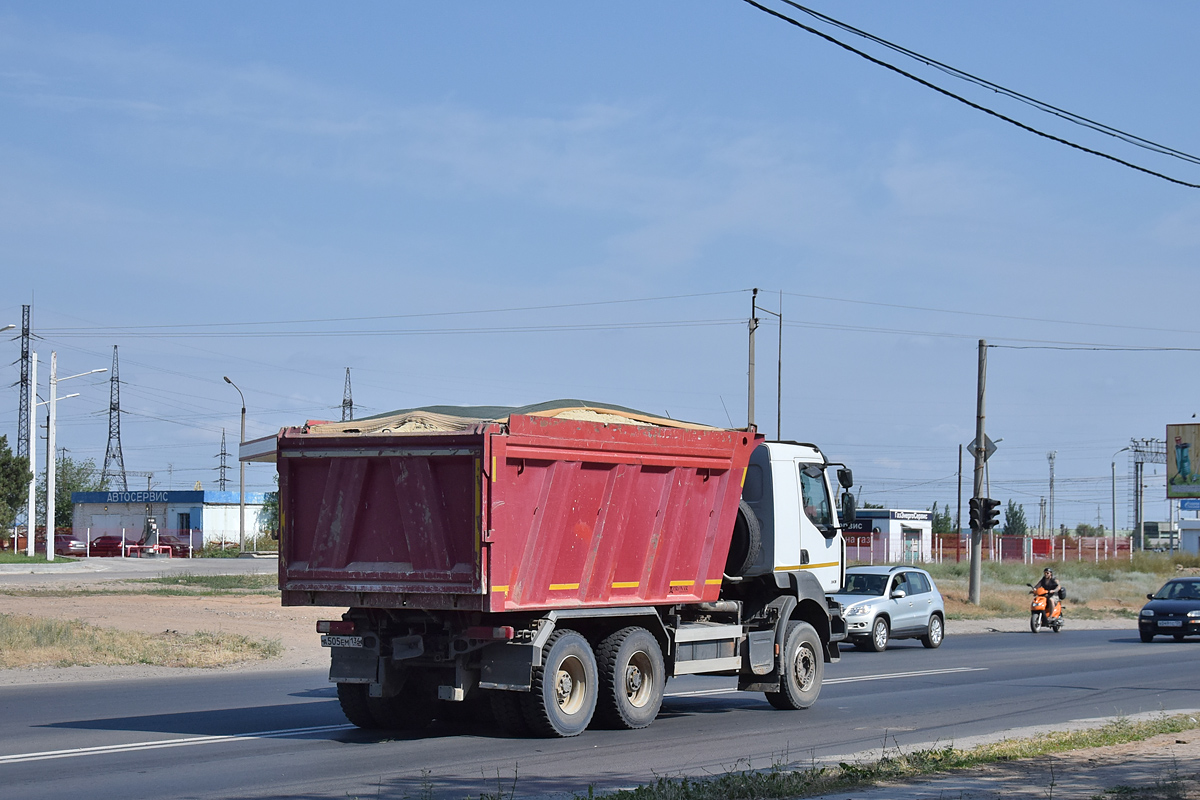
column 341, row 641
column 1170, row 623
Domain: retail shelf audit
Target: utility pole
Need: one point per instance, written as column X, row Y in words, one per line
column 1051, row 456
column 976, row 581
column 347, row 400
column 223, row 464
column 958, row 513
column 750, row 387
column 24, row 409
column 114, row 459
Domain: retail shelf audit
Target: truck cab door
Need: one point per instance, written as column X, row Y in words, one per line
column 820, row 539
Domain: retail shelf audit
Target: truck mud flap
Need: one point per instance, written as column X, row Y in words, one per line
column 353, row 665
column 508, row 666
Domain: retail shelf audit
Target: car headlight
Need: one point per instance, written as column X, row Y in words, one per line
column 858, row 611
column 1147, row 612
column 1194, row 614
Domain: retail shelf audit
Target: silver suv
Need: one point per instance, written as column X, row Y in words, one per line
column 891, row 602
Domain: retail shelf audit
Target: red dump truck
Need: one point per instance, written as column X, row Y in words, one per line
column 556, row 563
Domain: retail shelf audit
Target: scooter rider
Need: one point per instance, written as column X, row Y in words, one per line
column 1050, row 584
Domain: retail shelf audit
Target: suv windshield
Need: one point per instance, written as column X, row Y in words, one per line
column 865, row 584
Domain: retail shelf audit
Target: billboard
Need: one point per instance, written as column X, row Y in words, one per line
column 1183, row 472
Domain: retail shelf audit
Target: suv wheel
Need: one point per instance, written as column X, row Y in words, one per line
column 935, row 633
column 879, row 635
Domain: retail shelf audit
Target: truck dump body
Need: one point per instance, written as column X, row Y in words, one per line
column 533, row 514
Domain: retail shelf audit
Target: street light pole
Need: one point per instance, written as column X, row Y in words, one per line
column 51, row 429
column 30, row 518
column 1114, row 501
column 241, row 475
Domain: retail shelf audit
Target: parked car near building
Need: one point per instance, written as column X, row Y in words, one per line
column 1174, row 610
column 891, row 602
column 66, row 544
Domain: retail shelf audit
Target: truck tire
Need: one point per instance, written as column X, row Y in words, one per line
column 632, row 679
column 353, row 699
column 746, row 544
column 562, row 695
column 506, row 708
column 802, row 668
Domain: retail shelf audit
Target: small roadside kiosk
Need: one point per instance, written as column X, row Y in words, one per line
column 890, row 536
column 196, row 517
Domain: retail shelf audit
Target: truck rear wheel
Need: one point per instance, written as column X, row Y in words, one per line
column 506, row 708
column 562, row 696
column 632, row 678
column 353, row 699
column 801, row 666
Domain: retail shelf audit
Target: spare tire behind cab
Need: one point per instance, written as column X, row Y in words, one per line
column 746, row 544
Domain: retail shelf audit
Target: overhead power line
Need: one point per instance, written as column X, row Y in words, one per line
column 991, row 112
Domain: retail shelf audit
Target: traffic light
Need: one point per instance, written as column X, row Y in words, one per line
column 991, row 513
column 976, row 516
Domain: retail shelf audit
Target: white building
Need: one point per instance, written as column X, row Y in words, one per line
column 195, row 516
column 890, row 536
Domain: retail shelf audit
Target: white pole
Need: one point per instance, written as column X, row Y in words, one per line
column 50, row 529
column 89, row 542
column 122, row 542
column 30, row 517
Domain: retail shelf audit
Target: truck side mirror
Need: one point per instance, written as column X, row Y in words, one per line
column 845, row 477
column 848, row 506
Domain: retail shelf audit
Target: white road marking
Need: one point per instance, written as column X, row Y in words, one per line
column 920, row 674
column 165, row 743
column 20, row 758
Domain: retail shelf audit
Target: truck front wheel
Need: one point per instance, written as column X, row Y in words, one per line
column 801, row 668
column 562, row 697
column 632, row 679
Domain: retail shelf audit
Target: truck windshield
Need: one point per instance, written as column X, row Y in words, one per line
column 865, row 584
column 815, row 495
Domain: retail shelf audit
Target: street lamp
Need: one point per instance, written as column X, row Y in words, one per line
column 50, row 434
column 241, row 474
column 1114, row 502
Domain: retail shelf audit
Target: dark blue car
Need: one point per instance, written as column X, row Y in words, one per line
column 1173, row 611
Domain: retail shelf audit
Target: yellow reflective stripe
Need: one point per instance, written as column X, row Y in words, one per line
column 713, row 582
column 683, row 583
column 558, row 587
column 625, row 585
column 744, row 471
column 500, row 589
column 807, row 566
column 493, row 469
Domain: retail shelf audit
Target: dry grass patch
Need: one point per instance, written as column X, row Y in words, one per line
column 36, row 642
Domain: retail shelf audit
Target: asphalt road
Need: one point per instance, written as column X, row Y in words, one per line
column 281, row 734
column 95, row 570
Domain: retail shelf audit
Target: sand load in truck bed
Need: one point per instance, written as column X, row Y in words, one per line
column 492, row 509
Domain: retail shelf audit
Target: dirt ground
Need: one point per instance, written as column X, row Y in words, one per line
column 256, row 616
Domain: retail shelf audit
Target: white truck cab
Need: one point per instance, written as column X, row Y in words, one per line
column 789, row 492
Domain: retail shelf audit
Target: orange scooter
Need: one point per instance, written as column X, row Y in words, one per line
column 1039, row 616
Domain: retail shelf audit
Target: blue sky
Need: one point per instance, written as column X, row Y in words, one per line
column 481, row 203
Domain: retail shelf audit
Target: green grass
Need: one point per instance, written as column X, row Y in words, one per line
column 786, row 781
column 215, row 582
column 9, row 557
column 37, row 642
